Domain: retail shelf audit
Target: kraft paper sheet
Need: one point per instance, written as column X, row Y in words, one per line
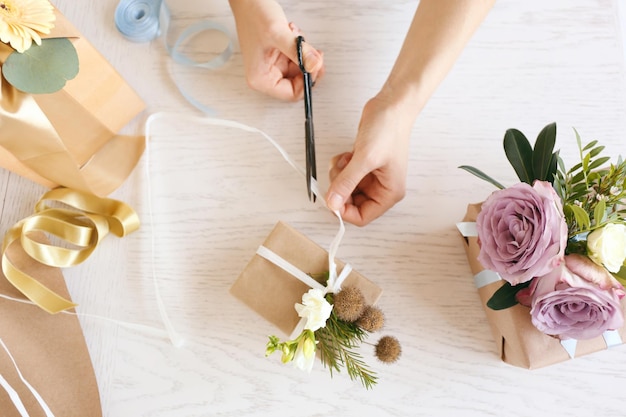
column 49, row 350
column 272, row 293
column 518, row 342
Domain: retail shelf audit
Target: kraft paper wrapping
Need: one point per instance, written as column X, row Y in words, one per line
column 49, row 350
column 272, row 293
column 69, row 137
column 518, row 342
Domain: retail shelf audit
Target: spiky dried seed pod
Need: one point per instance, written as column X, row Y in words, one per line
column 349, row 304
column 388, row 349
column 372, row 319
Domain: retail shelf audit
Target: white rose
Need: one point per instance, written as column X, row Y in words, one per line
column 315, row 309
column 607, row 246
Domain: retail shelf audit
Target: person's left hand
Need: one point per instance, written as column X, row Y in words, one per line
column 268, row 46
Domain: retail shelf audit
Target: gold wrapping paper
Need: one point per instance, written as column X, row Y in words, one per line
column 49, row 350
column 69, row 137
column 518, row 342
column 272, row 293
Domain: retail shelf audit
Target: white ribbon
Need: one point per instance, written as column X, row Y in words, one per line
column 15, row 398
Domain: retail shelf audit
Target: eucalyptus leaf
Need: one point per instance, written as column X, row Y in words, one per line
column 542, row 153
column 477, row 172
column 520, row 154
column 42, row 69
column 505, row 296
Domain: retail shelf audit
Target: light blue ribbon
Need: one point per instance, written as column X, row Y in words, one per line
column 146, row 20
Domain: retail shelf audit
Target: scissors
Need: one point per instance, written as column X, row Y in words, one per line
column 311, row 167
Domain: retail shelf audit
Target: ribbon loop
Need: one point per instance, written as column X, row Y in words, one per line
column 86, row 221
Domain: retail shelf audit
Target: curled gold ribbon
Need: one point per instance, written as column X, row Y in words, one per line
column 81, row 221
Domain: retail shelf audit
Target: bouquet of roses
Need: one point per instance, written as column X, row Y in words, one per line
column 558, row 238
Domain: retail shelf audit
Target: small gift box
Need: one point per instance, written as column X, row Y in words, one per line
column 272, row 292
column 518, row 341
column 69, row 137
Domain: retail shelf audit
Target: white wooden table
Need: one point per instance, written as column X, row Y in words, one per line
column 216, row 193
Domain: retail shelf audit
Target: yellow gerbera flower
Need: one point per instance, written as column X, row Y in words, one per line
column 22, row 22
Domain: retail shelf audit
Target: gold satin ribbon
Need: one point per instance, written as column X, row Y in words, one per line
column 81, row 221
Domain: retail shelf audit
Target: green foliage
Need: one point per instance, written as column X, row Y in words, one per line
column 530, row 164
column 337, row 343
column 480, row 174
column 592, row 195
column 505, row 296
column 42, row 69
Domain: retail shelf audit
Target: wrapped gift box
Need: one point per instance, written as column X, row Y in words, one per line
column 70, row 137
column 518, row 342
column 272, row 292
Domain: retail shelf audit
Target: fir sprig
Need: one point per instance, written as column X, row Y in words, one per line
column 337, row 342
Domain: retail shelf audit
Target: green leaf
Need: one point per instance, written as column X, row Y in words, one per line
column 477, row 172
column 542, row 153
column 42, row 69
column 599, row 162
column 590, row 144
column 520, row 154
column 580, row 215
column 504, row 297
column 596, row 151
column 599, row 212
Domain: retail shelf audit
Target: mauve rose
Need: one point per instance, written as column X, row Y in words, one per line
column 522, row 231
column 577, row 300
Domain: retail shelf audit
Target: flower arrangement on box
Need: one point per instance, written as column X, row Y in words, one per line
column 558, row 238
column 335, row 325
column 34, row 65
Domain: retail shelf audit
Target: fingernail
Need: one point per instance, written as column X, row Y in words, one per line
column 311, row 61
column 334, row 201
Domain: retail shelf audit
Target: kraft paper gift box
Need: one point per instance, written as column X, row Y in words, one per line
column 272, row 292
column 49, row 350
column 518, row 342
column 69, row 137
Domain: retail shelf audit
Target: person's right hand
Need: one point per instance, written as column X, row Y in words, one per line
column 368, row 181
column 268, row 46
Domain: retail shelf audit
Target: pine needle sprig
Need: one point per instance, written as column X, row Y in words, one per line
column 337, row 342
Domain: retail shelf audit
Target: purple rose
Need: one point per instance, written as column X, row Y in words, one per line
column 577, row 300
column 522, row 231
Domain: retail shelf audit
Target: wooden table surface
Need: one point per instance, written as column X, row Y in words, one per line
column 217, row 192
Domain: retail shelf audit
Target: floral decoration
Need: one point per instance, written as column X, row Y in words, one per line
column 34, row 65
column 336, row 324
column 558, row 237
column 23, row 21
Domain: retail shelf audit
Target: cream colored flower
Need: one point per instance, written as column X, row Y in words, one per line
column 607, row 246
column 304, row 356
column 314, row 308
column 22, row 22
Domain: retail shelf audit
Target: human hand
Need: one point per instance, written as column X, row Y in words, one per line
column 268, row 46
column 368, row 181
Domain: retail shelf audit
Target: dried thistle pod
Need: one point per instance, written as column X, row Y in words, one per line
column 372, row 319
column 349, row 304
column 388, row 349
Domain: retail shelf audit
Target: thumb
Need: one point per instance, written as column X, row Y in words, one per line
column 344, row 184
column 288, row 45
